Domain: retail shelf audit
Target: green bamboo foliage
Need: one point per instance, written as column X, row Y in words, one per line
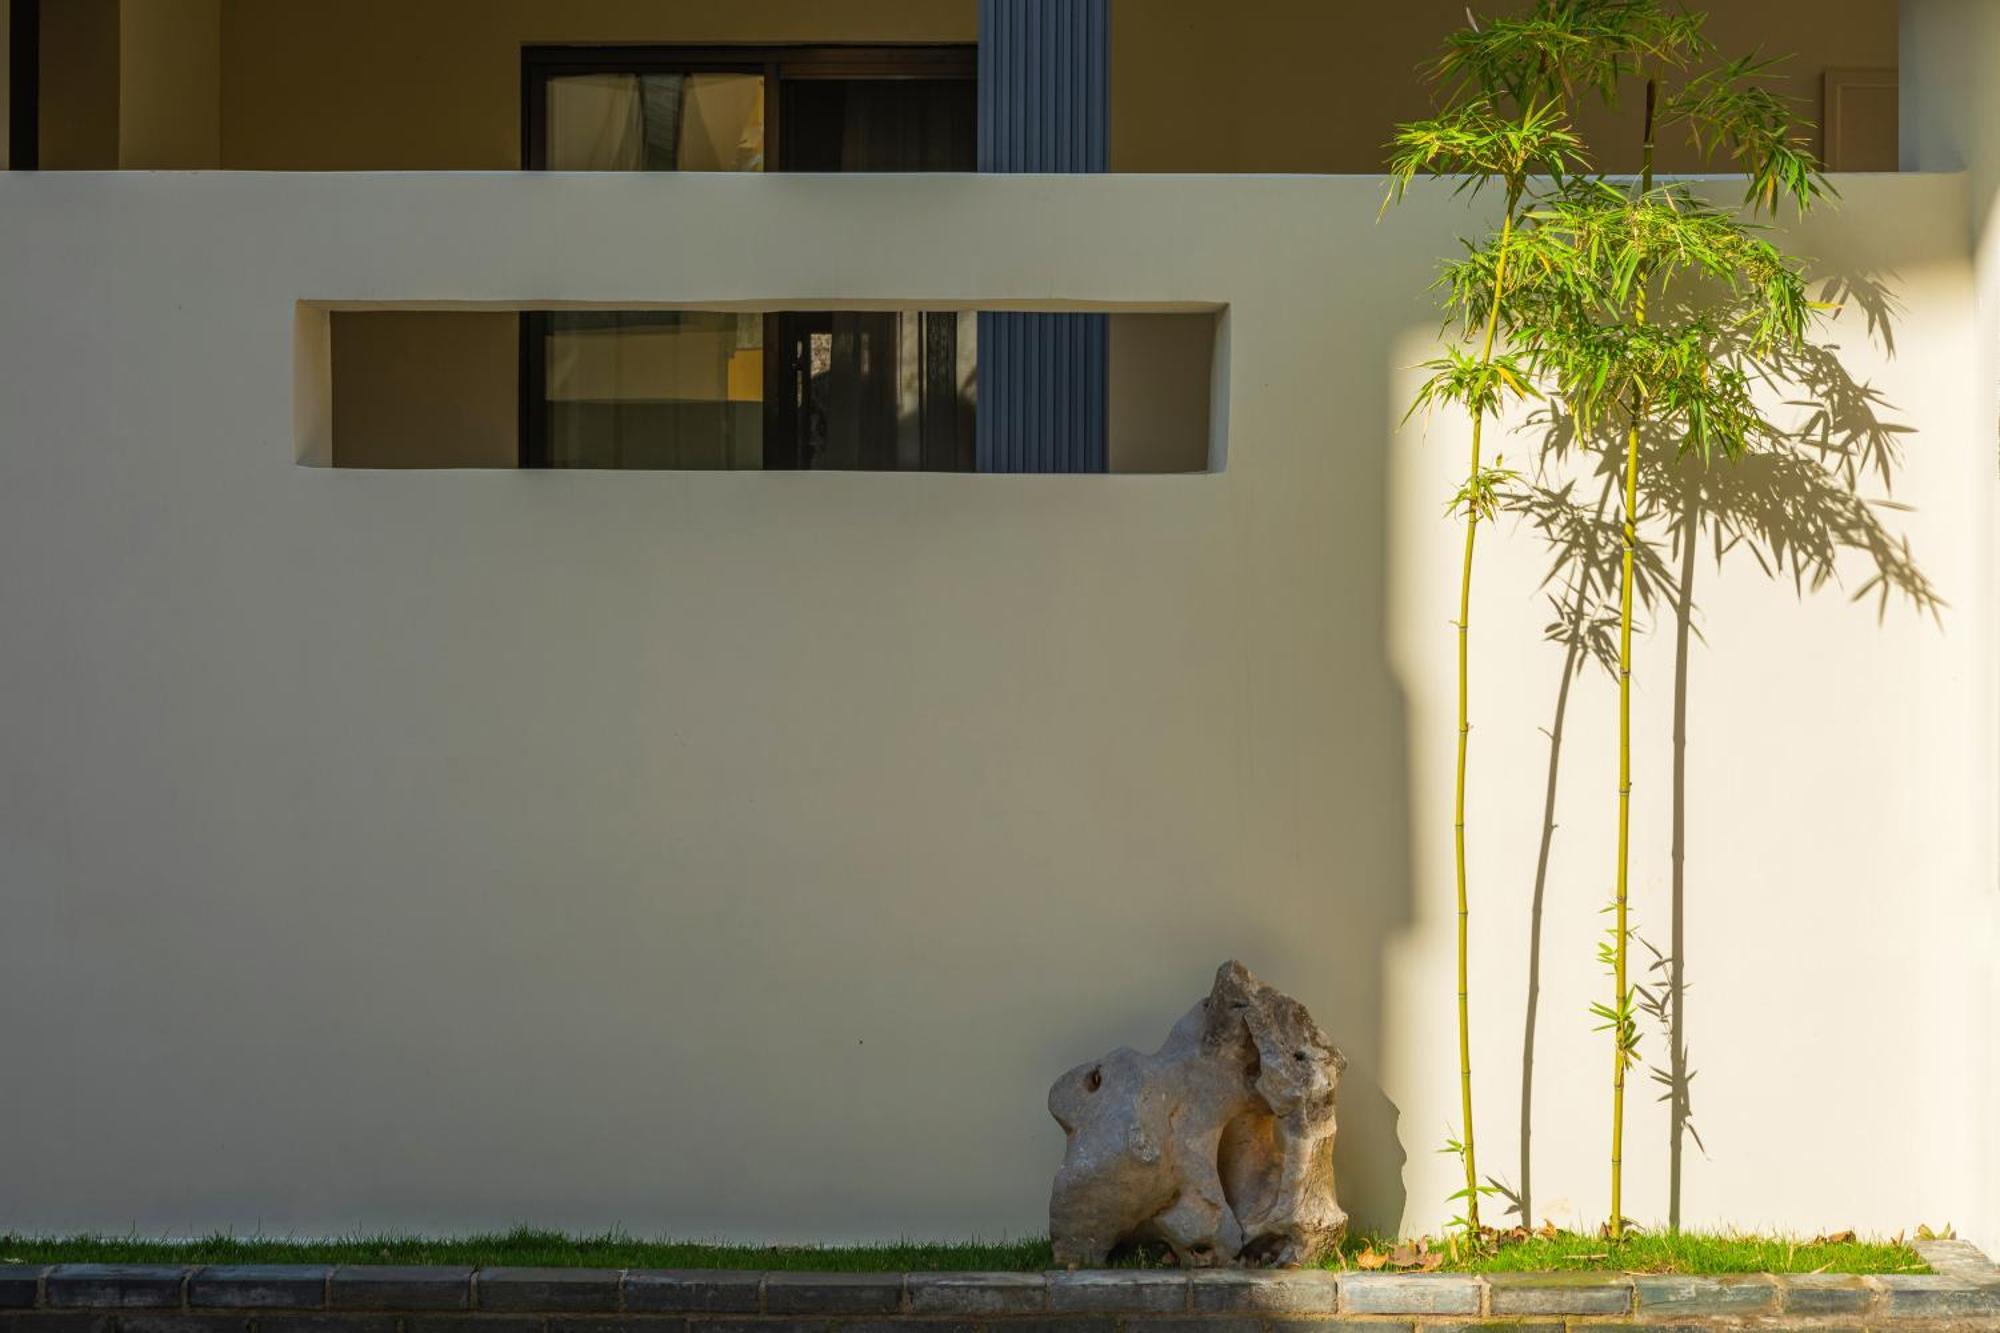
column 1640, row 310
column 1646, row 312
column 1482, row 132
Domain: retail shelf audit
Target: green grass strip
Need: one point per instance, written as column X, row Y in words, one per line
column 1686, row 1252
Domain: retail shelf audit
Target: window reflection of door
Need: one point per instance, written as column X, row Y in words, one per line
column 694, row 389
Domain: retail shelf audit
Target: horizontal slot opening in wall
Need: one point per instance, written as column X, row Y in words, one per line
column 653, row 389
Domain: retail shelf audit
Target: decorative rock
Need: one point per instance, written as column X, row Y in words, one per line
column 1219, row 1144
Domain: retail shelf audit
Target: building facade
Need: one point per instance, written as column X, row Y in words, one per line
column 488, row 740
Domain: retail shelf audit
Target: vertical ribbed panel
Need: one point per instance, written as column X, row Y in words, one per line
column 1044, row 85
column 1044, row 106
column 1042, row 398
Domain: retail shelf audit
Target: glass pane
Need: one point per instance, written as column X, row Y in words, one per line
column 881, row 125
column 656, row 122
column 655, row 389
column 875, row 391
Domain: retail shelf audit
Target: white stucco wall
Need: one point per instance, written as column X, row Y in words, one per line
column 1950, row 121
column 744, row 854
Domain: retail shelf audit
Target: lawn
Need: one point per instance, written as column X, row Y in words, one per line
column 1685, row 1252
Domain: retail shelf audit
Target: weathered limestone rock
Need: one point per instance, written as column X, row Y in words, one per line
column 1219, row 1144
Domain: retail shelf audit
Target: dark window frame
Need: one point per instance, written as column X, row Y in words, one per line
column 24, row 85
column 777, row 64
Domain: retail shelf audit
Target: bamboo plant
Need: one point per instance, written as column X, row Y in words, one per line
column 1505, row 90
column 1647, row 312
column 1483, row 132
column 1642, row 309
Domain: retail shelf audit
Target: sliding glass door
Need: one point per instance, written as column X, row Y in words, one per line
column 861, row 390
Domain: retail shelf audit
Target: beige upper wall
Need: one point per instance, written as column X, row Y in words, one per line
column 79, row 85
column 347, row 85
column 131, row 84
column 1262, row 85
column 1317, row 86
column 1259, row 85
column 170, row 67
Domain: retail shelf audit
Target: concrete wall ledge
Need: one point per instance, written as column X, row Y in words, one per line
column 144, row 1298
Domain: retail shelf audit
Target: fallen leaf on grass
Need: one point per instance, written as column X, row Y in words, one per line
column 1370, row 1259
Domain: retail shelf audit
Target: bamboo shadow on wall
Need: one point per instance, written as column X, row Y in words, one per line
column 1795, row 509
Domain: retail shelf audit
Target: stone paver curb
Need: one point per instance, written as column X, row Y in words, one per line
column 1963, row 1294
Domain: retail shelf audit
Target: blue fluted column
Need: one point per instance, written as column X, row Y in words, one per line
column 1044, row 106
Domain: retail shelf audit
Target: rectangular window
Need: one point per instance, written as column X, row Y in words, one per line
column 651, row 389
column 852, row 390
column 635, row 388
column 655, row 122
column 877, row 391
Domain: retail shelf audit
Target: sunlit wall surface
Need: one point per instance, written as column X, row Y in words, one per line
column 730, row 853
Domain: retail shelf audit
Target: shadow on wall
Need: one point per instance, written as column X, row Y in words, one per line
column 1321, row 784
column 1368, row 840
column 1353, row 886
column 1376, row 905
column 1792, row 508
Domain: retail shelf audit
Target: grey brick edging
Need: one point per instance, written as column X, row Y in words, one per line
column 366, row 1298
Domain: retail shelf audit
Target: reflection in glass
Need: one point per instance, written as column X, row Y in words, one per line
column 655, row 389
column 656, row 122
column 876, row 391
column 849, row 390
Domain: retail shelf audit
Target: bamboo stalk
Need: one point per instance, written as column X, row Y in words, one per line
column 1465, row 727
column 1620, row 1007
column 1621, row 939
